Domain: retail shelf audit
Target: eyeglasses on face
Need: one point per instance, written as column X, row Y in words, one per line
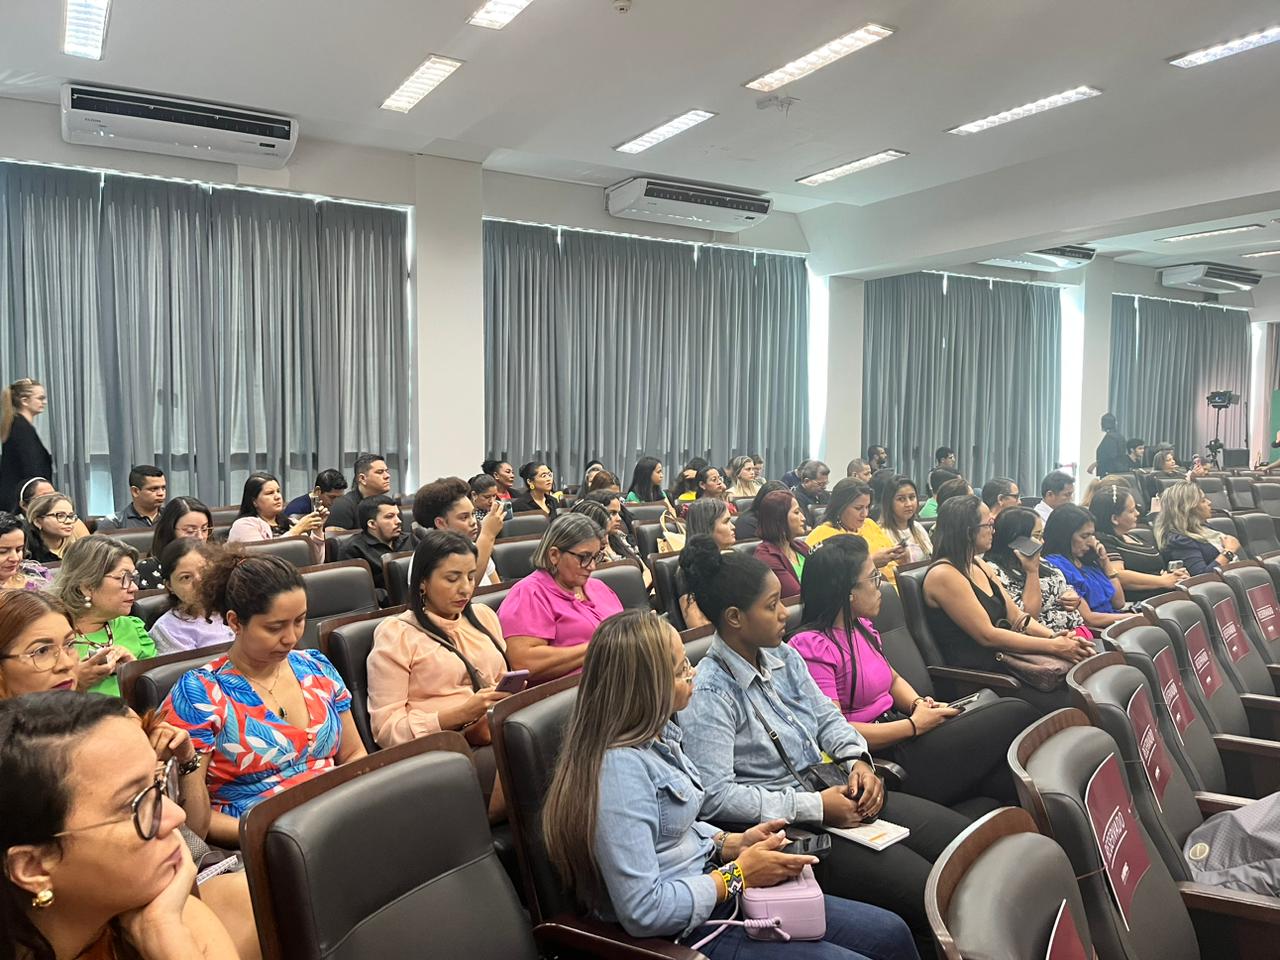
column 985, row 525
column 685, row 670
column 64, row 517
column 875, row 578
column 125, row 578
column 45, row 657
column 145, row 809
column 190, row 532
column 587, row 560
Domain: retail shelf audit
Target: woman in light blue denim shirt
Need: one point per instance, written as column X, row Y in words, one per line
column 621, row 816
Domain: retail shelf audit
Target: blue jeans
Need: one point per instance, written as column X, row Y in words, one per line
column 855, row 931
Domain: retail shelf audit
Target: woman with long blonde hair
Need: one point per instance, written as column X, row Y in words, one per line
column 1183, row 536
column 23, row 454
column 621, row 816
column 742, row 471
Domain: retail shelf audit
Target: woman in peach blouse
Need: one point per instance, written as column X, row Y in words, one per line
column 435, row 667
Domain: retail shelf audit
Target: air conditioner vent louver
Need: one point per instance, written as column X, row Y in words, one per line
column 1210, row 278
column 1050, row 260
column 691, row 205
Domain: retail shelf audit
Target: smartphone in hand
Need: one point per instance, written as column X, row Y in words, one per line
column 513, row 681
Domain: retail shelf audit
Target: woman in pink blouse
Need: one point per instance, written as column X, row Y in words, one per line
column 949, row 757
column 549, row 616
column 261, row 516
column 435, row 667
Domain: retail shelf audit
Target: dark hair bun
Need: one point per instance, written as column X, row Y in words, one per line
column 700, row 559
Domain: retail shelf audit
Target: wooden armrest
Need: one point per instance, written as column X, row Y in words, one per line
column 1261, row 703
column 1274, row 670
column 1200, row 897
column 1230, row 743
column 585, row 936
column 1211, row 803
column 1264, row 715
column 1252, row 766
column 975, row 678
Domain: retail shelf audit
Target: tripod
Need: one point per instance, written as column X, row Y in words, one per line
column 1215, row 445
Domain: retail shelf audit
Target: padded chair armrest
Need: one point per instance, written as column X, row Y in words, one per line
column 974, row 680
column 1274, row 670
column 1260, row 702
column 587, row 937
column 1252, row 766
column 1264, row 715
column 893, row 775
column 1211, row 803
column 1252, row 907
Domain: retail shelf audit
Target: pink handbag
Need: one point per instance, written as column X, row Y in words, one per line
column 791, row 910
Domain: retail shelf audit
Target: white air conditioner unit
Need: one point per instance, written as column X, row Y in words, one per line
column 686, row 204
column 1209, row 278
column 1051, row 260
column 152, row 123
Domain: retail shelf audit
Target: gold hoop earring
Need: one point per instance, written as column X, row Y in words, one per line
column 43, row 900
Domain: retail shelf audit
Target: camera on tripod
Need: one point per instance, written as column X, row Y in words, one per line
column 1222, row 399
column 1219, row 400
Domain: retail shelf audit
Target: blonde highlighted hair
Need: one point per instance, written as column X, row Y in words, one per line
column 11, row 399
column 1179, row 505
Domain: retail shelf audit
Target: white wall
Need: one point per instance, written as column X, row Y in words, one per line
column 843, row 436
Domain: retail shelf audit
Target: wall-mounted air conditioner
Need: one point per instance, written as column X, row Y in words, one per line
column 1210, row 278
column 686, row 204
column 1052, row 260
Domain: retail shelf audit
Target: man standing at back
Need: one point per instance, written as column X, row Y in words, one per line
column 1111, row 455
column 372, row 478
column 147, row 488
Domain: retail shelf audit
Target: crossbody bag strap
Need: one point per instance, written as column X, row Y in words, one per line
column 773, row 736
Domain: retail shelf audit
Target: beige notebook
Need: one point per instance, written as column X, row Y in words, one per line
column 877, row 836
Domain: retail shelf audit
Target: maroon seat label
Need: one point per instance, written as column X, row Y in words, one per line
column 1155, row 759
column 1065, row 942
column 1173, row 692
column 1116, row 831
column 1202, row 662
column 1232, row 631
column 1263, row 600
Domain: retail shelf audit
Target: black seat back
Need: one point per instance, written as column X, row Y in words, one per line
column 137, row 537
column 297, row 550
column 145, row 683
column 624, row 578
column 347, row 643
column 666, row 584
column 492, row 595
column 335, row 590
column 1215, row 489
column 899, row 646
column 1138, row 487
column 1256, row 532
column 1055, row 761
column 380, row 818
column 149, row 605
column 525, row 525
column 335, row 541
column 697, row 642
column 1240, row 492
column 1198, row 660
column 1225, row 524
column 395, row 576
column 747, row 547
column 911, row 587
column 1217, row 601
column 647, row 512
column 647, row 537
column 1266, row 495
column 225, row 516
column 1256, row 600
column 513, row 557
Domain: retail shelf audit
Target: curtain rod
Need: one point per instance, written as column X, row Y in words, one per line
column 637, row 236
column 976, row 276
column 1194, row 303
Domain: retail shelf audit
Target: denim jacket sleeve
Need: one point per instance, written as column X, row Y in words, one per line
column 628, row 825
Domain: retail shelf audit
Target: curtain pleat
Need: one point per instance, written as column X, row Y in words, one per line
column 612, row 348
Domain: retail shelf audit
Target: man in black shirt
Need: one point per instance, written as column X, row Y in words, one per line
column 1111, row 455
column 372, row 478
column 812, row 489
column 380, row 526
column 147, row 488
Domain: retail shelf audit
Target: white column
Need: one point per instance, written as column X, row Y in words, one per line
column 1093, row 382
column 449, row 294
column 842, row 435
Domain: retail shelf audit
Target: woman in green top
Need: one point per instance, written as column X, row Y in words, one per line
column 646, row 481
column 98, row 582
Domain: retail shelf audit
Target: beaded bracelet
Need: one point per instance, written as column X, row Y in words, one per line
column 734, row 881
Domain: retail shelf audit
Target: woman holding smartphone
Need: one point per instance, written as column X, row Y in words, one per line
column 1070, row 545
column 1038, row 588
column 438, row 665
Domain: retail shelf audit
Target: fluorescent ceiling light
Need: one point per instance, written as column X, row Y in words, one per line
column 1212, row 233
column 669, row 129
column 1228, row 49
column 496, row 14
column 1262, row 253
column 835, row 173
column 84, row 28
column 1074, row 95
column 433, row 72
column 826, row 54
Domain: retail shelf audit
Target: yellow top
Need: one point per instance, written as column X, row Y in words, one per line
column 871, row 532
column 823, row 531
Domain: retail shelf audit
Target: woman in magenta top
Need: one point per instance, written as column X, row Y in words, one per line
column 948, row 760
column 549, row 616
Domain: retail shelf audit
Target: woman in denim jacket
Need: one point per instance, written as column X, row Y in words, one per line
column 621, row 817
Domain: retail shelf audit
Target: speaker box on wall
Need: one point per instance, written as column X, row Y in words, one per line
column 1235, row 457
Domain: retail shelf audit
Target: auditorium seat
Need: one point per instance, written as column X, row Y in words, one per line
column 1055, row 761
column 748, row 546
column 491, row 595
column 1164, row 481
column 742, row 504
column 1001, row 889
column 626, row 580
column 1258, row 605
column 137, row 537
column 1215, row 489
column 1138, row 487
column 1256, row 532
column 648, row 537
column 395, row 576
column 148, row 605
column 335, row 590
column 347, row 642
column 1029, row 501
column 1240, row 493
column 410, row 824
column 524, row 525
column 145, row 683
column 225, row 516
column 697, row 642
column 1247, row 670
column 513, row 557
column 666, row 587
column 297, row 550
column 1267, row 495
column 647, row 512
column 335, row 539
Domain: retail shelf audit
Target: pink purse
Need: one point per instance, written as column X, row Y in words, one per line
column 791, row 910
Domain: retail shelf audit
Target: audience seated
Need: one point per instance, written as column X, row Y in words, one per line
column 755, row 704
column 371, row 478
column 748, row 524
column 604, row 481
column 51, row 524
column 264, row 715
column 859, row 469
column 840, row 646
column 549, row 616
column 147, row 489
column 606, row 511
column 1101, row 483
column 380, row 534
column 811, row 488
column 1036, row 587
column 445, row 504
column 709, row 518
column 646, row 481
column 38, row 487
column 504, row 475
column 877, row 457
column 896, row 517
column 848, row 513
column 539, row 482
column 17, row 573
column 972, row 619
column 22, row 452
column 687, row 482
column 183, row 518
column 1163, row 464
column 1057, row 489
column 944, row 458
column 622, row 815
column 436, row 666
column 1139, row 564
column 937, row 477
column 120, row 885
column 593, row 467
column 39, row 646
column 330, row 485
column 262, row 517
column 1183, row 537
column 707, row 482
column 1000, row 493
column 186, row 625
column 959, row 487
column 742, row 478
column 484, row 494
column 1069, row 544
column 1136, row 451
column 98, row 582
column 782, row 524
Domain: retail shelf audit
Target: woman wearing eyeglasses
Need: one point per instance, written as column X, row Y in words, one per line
column 539, row 481
column 549, row 616
column 182, row 518
column 845, row 657
column 52, row 522
column 98, row 582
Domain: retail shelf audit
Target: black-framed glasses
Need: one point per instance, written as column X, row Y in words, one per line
column 64, row 517
column 875, row 579
column 126, row 578
column 985, row 525
column 45, row 657
column 145, row 809
column 588, row 560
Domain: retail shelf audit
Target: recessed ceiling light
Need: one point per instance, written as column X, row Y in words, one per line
column 84, row 28
column 1212, row 233
column 1261, row 253
column 1074, row 95
column 669, row 129
column 496, row 14
column 826, row 54
column 1228, row 49
column 835, row 173
column 433, row 72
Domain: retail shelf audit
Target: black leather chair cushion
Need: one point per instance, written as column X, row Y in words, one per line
column 695, row 650
column 1215, row 489
column 514, row 558
column 335, row 541
column 296, row 550
column 335, row 590
column 416, row 835
column 1224, row 712
column 1240, row 491
column 138, row 538
column 747, row 546
column 525, row 525
column 1005, row 905
column 646, row 512
column 395, row 576
column 492, row 596
column 647, row 536
column 1257, row 533
column 626, row 580
column 156, row 677
column 1259, row 607
column 348, row 647
column 149, row 605
column 666, row 582
column 911, row 589
column 899, row 646
column 1245, row 666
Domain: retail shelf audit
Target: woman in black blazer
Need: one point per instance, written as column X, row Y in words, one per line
column 23, row 454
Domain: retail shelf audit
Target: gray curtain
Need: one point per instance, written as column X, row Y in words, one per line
column 612, row 348
column 1166, row 357
column 966, row 363
column 211, row 331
